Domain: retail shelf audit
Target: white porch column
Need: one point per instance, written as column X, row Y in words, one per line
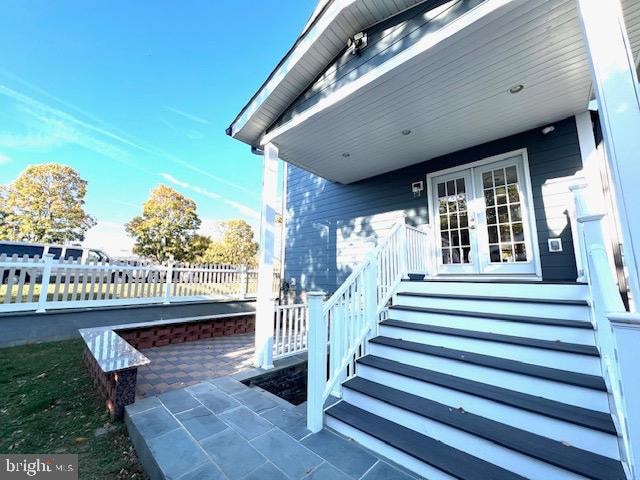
column 264, row 303
column 615, row 84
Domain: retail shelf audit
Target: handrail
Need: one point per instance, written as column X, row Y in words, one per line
column 350, row 316
column 606, row 304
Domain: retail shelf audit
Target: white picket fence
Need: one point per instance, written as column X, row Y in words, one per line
column 46, row 284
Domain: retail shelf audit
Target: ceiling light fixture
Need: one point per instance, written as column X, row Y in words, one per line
column 406, row 132
column 346, row 155
column 516, row 88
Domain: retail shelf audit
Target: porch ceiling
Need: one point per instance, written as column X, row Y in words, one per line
column 453, row 94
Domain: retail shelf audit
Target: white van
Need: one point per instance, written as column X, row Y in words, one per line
column 64, row 252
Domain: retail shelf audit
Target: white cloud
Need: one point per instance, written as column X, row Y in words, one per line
column 243, row 209
column 189, row 116
column 49, row 127
column 188, row 186
column 4, row 159
column 110, row 237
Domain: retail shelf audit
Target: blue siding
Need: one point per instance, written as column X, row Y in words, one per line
column 320, row 212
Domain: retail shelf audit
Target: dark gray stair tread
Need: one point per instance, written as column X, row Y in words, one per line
column 558, row 322
column 457, row 296
column 505, row 281
column 542, row 448
column 432, row 452
column 562, row 376
column 495, row 337
column 569, row 413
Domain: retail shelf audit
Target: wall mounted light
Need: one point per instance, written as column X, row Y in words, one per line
column 547, row 130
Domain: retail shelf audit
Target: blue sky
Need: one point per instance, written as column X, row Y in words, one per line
column 133, row 94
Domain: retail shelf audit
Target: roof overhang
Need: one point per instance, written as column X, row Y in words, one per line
column 326, row 34
column 450, row 90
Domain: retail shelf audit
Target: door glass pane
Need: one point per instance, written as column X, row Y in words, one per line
column 454, row 223
column 505, row 230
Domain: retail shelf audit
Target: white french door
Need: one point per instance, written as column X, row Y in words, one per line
column 483, row 218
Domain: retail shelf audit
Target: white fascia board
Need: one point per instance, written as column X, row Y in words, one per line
column 298, row 53
column 479, row 16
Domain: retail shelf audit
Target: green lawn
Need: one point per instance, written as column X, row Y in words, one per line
column 50, row 405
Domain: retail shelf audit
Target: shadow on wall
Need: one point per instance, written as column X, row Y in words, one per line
column 333, row 226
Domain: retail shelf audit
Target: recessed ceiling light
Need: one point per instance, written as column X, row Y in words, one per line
column 346, row 155
column 516, row 89
column 406, row 132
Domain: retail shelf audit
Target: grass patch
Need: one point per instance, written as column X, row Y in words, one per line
column 50, row 405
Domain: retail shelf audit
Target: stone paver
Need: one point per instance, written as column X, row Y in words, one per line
column 239, row 433
column 286, row 453
column 181, row 365
column 344, row 454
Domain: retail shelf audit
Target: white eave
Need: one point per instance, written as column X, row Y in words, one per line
column 324, row 37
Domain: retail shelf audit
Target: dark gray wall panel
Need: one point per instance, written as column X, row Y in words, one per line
column 322, row 212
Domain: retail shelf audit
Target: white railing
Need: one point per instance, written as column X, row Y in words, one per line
column 607, row 309
column 44, row 284
column 290, row 330
column 350, row 316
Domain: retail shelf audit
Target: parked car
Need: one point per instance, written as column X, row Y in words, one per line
column 64, row 252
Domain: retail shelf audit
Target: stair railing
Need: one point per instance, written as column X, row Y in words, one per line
column 607, row 312
column 340, row 327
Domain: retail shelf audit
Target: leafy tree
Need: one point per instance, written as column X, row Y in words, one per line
column 237, row 246
column 167, row 226
column 45, row 204
column 197, row 247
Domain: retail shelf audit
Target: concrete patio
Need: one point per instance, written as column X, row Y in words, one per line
column 223, row 430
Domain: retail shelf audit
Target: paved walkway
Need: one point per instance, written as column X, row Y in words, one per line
column 224, row 430
column 185, row 364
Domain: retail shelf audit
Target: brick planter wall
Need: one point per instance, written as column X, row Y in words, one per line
column 161, row 335
column 117, row 388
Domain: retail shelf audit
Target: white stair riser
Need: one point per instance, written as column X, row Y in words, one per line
column 571, row 394
column 576, row 435
column 386, row 450
column 540, row 310
column 518, row 329
column 535, row 356
column 519, row 290
column 503, row 457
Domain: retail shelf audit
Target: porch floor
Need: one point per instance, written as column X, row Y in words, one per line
column 184, row 364
column 222, row 429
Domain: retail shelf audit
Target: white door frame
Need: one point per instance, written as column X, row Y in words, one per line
column 527, row 190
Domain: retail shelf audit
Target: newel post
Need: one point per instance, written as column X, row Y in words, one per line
column 371, row 294
column 317, row 361
column 169, row 281
column 44, row 284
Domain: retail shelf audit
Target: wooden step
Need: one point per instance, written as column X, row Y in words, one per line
column 432, row 452
column 569, row 413
column 541, row 448
column 558, row 322
column 572, row 378
column 588, row 350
